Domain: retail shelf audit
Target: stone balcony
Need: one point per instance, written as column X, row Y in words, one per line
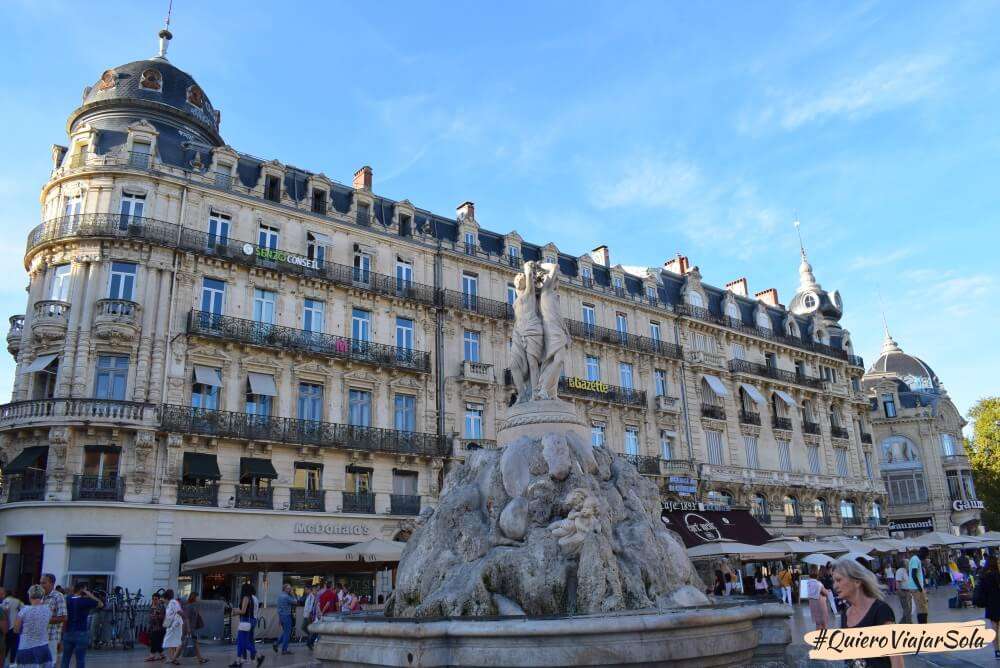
column 51, row 317
column 117, row 319
column 477, row 372
column 33, row 412
column 742, row 475
column 14, row 334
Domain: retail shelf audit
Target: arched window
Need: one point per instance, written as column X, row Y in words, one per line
column 876, row 510
column 758, row 507
column 810, row 301
column 721, row 497
column 763, row 320
column 820, row 509
column 694, row 299
column 792, row 328
column 847, row 509
column 791, row 507
column 733, row 311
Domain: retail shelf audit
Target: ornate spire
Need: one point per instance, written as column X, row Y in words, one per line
column 165, row 35
column 889, row 345
column 807, row 280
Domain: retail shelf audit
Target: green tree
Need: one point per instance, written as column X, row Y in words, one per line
column 984, row 453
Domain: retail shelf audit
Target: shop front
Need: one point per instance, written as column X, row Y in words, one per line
column 966, row 516
column 910, row 527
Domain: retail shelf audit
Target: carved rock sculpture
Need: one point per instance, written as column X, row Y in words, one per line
column 545, row 526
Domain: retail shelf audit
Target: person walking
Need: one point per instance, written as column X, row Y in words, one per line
column 989, row 598
column 57, row 603
column 859, row 588
column 193, row 624
column 173, row 628
column 904, row 592
column 33, row 623
column 785, row 580
column 890, row 576
column 12, row 605
column 309, row 604
column 245, row 648
column 76, row 637
column 918, row 590
column 286, row 617
column 817, row 599
column 327, row 601
column 157, row 612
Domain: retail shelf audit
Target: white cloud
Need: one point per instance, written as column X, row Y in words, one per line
column 873, row 260
column 955, row 295
column 649, row 183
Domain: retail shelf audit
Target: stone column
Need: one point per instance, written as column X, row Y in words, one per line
column 85, row 308
column 146, row 333
column 159, row 332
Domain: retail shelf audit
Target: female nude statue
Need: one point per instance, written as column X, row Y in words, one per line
column 527, row 341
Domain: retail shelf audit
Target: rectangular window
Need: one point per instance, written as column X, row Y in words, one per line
column 841, row 454
column 511, row 294
column 364, row 214
column 358, row 479
column 704, row 343
column 812, row 452
column 308, row 477
column 59, row 291
column 589, row 316
column 597, row 431
column 218, row 231
column 405, row 412
column 361, row 325
column 223, row 174
column 470, row 345
column 404, row 333
column 784, row 456
column 650, row 293
column 313, row 315
column 267, row 237
column 404, row 483
column 654, row 330
column 263, row 306
column 470, row 243
column 868, row 466
column 587, row 276
column 621, row 323
column 771, row 360
column 625, row 375
column 713, row 440
column 473, row 420
column 405, row 226
column 470, row 290
column 112, row 377
column 404, row 275
column 122, row 282
column 968, row 485
column 750, row 443
column 205, row 390
column 631, row 441
column 666, row 444
column 213, row 292
column 954, row 486
column 947, row 445
column 319, row 201
column 316, row 247
column 619, row 286
column 660, row 382
column 259, row 394
column 514, row 255
column 800, row 368
column 101, row 462
column 362, row 268
column 272, row 189
column 131, row 210
column 71, row 209
column 593, row 367
column 359, row 408
column 310, row 402
column 738, row 351
column 889, row 405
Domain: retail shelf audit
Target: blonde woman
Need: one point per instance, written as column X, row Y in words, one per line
column 817, row 599
column 859, row 589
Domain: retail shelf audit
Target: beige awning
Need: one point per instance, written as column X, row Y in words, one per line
column 267, row 554
column 206, row 375
column 262, row 383
column 754, row 393
column 787, row 398
column 375, row 549
column 40, row 363
column 716, row 384
column 745, row 551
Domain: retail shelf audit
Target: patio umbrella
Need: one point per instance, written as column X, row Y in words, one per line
column 375, row 549
column 857, row 555
column 732, row 548
column 942, row 539
column 267, row 554
column 806, row 546
column 817, row 559
column 888, row 545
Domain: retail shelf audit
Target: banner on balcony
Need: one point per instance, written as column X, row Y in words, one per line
column 275, row 255
column 588, row 385
column 914, row 524
column 697, row 527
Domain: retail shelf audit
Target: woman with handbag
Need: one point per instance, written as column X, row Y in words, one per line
column 245, row 647
column 157, row 611
column 193, row 623
column 173, row 627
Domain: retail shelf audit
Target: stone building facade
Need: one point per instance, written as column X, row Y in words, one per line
column 217, row 346
column 921, row 450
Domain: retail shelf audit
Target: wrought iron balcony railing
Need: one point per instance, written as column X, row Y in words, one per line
column 244, row 426
column 825, row 520
column 287, row 338
column 642, row 344
column 838, row 432
column 358, row 502
column 645, row 464
column 198, row 495
column 766, row 371
column 851, row 521
column 599, row 391
column 781, row 423
column 404, row 504
column 810, row 427
column 301, row 499
column 252, row 496
column 749, row 417
column 713, row 411
column 20, row 413
column 121, row 310
column 98, row 488
column 490, row 308
column 27, row 486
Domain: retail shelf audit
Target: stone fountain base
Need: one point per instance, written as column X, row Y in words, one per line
column 740, row 634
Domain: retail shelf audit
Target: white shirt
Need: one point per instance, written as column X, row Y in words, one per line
column 307, row 607
column 901, row 576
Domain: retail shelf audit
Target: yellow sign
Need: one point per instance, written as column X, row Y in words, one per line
column 589, row 385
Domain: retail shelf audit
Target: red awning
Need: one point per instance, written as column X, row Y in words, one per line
column 697, row 527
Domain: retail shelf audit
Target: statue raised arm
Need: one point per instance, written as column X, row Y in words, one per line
column 527, row 341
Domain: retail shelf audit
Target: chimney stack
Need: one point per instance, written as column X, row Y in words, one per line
column 363, row 178
column 465, row 210
column 678, row 265
column 769, row 296
column 739, row 287
column 601, row 255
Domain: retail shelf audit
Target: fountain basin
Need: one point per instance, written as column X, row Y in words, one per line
column 745, row 633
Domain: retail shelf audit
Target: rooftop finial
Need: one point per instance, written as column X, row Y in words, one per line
column 806, row 279
column 798, row 230
column 888, row 344
column 165, row 35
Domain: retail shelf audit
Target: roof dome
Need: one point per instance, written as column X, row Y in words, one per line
column 913, row 371
column 153, row 83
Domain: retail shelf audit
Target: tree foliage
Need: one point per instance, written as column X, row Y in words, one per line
column 984, row 454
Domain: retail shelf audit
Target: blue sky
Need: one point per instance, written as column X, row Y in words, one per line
column 654, row 128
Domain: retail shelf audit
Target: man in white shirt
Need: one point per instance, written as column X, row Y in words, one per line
column 905, row 598
column 308, row 612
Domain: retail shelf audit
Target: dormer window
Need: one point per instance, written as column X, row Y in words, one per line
column 619, row 286
column 151, row 79
column 272, row 188
column 141, row 152
column 364, row 214
column 889, row 405
column 733, row 311
column 763, row 321
column 694, row 299
column 223, row 174
column 587, row 276
column 551, row 259
column 651, row 294
column 319, row 201
column 405, row 225
column 470, row 243
column 514, row 256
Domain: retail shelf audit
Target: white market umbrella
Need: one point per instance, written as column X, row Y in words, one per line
column 857, row 555
column 942, row 539
column 807, row 546
column 375, row 549
column 888, row 544
column 817, row 559
column 732, row 548
column 266, row 554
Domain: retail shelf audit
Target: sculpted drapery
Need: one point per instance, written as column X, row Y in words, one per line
column 540, row 339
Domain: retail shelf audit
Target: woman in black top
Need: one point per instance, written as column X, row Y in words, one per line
column 859, row 589
column 990, row 583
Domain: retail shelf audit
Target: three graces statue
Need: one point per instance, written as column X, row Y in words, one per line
column 540, row 340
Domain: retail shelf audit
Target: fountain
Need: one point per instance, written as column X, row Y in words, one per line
column 548, row 551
